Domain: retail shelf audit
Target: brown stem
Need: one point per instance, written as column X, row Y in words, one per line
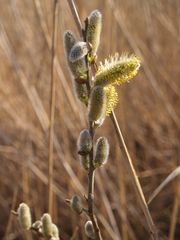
column 90, row 199
column 134, row 178
column 52, row 110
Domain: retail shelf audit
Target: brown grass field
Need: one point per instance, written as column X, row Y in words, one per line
column 148, row 113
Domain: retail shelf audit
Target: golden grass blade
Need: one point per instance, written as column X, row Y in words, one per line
column 171, row 177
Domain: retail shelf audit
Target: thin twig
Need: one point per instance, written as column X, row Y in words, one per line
column 52, row 110
column 134, row 178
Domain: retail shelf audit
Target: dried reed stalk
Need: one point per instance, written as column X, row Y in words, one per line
column 52, row 110
column 134, row 178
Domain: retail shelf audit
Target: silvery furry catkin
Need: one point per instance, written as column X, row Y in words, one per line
column 46, row 225
column 84, row 143
column 77, row 69
column 24, row 216
column 37, row 225
column 97, row 104
column 76, row 204
column 94, row 31
column 101, row 152
column 55, row 231
column 78, row 51
column 89, row 230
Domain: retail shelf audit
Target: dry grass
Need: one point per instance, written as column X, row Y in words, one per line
column 148, row 113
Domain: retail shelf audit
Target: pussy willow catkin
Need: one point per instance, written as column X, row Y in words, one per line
column 89, row 230
column 97, row 103
column 101, row 152
column 77, row 69
column 24, row 216
column 78, row 51
column 76, row 204
column 94, row 31
column 84, row 143
column 46, row 225
column 117, row 70
column 55, row 231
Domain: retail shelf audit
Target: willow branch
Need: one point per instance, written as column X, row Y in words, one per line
column 90, row 199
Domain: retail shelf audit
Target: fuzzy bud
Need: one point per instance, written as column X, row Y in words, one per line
column 78, row 51
column 101, row 152
column 97, row 104
column 117, row 70
column 76, row 204
column 46, row 225
column 78, row 68
column 24, row 216
column 37, row 225
column 84, row 142
column 55, row 231
column 89, row 230
column 94, row 31
column 84, row 161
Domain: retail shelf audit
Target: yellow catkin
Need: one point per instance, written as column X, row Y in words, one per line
column 94, row 31
column 112, row 98
column 46, row 225
column 97, row 104
column 101, row 152
column 24, row 216
column 117, row 70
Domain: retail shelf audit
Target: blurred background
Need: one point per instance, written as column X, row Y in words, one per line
column 148, row 113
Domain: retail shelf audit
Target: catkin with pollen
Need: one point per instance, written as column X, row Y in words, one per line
column 117, row 70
